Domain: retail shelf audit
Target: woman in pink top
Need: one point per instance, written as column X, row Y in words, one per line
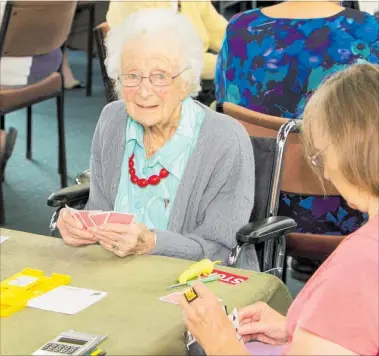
column 337, row 311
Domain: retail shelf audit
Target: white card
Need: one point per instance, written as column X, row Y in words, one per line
column 233, row 317
column 22, row 281
column 66, row 299
column 3, row 239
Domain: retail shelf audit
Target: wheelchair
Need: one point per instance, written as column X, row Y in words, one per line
column 266, row 231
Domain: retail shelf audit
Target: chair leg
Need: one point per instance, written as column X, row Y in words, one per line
column 29, row 133
column 2, row 122
column 91, row 24
column 62, row 169
column 2, row 207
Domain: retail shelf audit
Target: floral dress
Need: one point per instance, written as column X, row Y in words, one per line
column 273, row 65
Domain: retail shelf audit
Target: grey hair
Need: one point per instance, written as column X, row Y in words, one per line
column 172, row 27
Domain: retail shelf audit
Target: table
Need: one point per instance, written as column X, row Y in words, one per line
column 136, row 322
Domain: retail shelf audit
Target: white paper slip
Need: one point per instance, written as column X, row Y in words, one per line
column 66, row 299
column 3, row 239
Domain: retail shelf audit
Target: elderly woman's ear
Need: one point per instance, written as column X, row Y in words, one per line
column 185, row 86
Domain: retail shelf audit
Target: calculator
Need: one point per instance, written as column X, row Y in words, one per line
column 71, row 343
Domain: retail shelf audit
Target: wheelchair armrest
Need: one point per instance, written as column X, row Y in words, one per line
column 219, row 107
column 72, row 195
column 265, row 229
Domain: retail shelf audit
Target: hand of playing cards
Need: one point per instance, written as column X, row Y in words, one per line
column 91, row 218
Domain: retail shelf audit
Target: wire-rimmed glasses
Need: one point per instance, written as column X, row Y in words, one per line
column 160, row 79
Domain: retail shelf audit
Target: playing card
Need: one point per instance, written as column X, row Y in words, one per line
column 77, row 215
column 99, row 218
column 85, row 216
column 120, row 218
column 71, row 210
column 172, row 298
column 233, row 317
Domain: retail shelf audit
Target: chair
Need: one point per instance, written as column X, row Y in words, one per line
column 90, row 7
column 296, row 176
column 100, row 32
column 24, row 32
column 265, row 232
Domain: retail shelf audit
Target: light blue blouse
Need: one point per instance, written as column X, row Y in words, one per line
column 152, row 205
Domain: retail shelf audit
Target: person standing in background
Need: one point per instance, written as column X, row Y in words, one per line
column 209, row 24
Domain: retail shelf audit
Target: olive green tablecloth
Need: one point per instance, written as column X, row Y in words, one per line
column 132, row 316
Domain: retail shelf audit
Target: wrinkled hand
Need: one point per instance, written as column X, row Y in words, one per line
column 261, row 323
column 72, row 230
column 206, row 319
column 124, row 240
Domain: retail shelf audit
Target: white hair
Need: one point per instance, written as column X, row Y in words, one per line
column 171, row 27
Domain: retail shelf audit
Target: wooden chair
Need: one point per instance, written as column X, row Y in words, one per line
column 89, row 6
column 32, row 28
column 297, row 178
column 101, row 32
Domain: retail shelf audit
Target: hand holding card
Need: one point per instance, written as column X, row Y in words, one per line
column 91, row 218
column 71, row 228
column 206, row 320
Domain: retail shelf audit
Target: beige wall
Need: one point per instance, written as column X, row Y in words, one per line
column 369, row 6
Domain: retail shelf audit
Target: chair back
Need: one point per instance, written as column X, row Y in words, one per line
column 264, row 157
column 32, row 28
column 296, row 177
column 101, row 32
column 256, row 124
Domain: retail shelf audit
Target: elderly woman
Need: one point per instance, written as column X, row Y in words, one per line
column 185, row 171
column 337, row 311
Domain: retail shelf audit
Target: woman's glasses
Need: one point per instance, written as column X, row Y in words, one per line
column 156, row 79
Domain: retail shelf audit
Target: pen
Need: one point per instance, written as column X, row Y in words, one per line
column 210, row 278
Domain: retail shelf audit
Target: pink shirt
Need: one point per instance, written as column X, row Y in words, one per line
column 340, row 302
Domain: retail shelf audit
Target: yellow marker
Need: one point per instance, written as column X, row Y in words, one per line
column 96, row 352
column 202, row 267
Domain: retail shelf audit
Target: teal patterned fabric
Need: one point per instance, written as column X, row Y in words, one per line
column 273, row 65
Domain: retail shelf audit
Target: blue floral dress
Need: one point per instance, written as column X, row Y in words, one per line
column 273, row 65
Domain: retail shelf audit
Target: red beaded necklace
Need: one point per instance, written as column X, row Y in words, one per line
column 152, row 180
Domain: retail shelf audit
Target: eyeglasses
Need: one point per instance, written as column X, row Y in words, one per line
column 156, row 79
column 317, row 158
